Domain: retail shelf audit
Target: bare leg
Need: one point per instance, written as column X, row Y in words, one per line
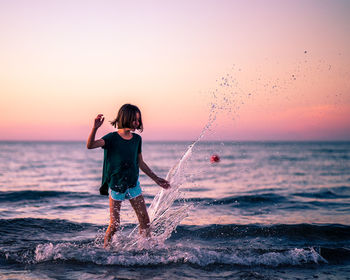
column 114, row 209
column 139, row 205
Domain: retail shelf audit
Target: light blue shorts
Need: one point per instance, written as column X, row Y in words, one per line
column 129, row 194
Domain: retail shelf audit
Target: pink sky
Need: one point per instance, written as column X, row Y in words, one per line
column 63, row 62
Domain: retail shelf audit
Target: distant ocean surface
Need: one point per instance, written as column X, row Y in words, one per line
column 267, row 210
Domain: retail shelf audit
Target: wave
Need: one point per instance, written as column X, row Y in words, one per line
column 335, row 150
column 243, row 199
column 328, row 232
column 33, row 226
column 314, row 232
column 35, row 241
column 281, row 158
column 327, row 193
column 29, row 195
column 183, row 254
column 202, row 256
column 316, row 199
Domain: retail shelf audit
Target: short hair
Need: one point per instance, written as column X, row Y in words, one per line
column 126, row 116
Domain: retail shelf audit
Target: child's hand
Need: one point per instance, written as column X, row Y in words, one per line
column 163, row 183
column 99, row 121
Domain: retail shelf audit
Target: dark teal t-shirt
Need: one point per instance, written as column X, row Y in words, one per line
column 120, row 164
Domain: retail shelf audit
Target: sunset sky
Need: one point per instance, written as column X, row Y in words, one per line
column 286, row 65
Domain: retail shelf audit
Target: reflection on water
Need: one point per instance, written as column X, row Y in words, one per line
column 253, row 183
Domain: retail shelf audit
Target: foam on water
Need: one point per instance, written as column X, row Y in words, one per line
column 182, row 253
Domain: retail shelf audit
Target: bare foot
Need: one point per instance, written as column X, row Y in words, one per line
column 145, row 232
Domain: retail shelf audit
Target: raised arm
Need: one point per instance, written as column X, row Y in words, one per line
column 91, row 142
column 144, row 167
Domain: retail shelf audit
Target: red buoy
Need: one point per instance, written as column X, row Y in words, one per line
column 214, row 158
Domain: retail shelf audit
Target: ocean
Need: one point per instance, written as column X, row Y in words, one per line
column 266, row 210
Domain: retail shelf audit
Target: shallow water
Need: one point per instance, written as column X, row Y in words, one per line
column 267, row 210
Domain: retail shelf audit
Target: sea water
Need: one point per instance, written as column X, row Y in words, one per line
column 267, row 210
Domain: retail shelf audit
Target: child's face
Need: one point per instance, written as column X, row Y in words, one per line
column 136, row 123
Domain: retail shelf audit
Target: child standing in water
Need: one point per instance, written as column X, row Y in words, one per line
column 122, row 160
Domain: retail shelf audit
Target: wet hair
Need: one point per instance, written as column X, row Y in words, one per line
column 126, row 116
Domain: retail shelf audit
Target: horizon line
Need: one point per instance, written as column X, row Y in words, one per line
column 185, row 141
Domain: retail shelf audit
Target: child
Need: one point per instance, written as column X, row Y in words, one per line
column 122, row 160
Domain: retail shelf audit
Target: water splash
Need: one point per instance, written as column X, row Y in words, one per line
column 164, row 216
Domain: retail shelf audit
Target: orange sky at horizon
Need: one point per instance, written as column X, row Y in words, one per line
column 287, row 65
